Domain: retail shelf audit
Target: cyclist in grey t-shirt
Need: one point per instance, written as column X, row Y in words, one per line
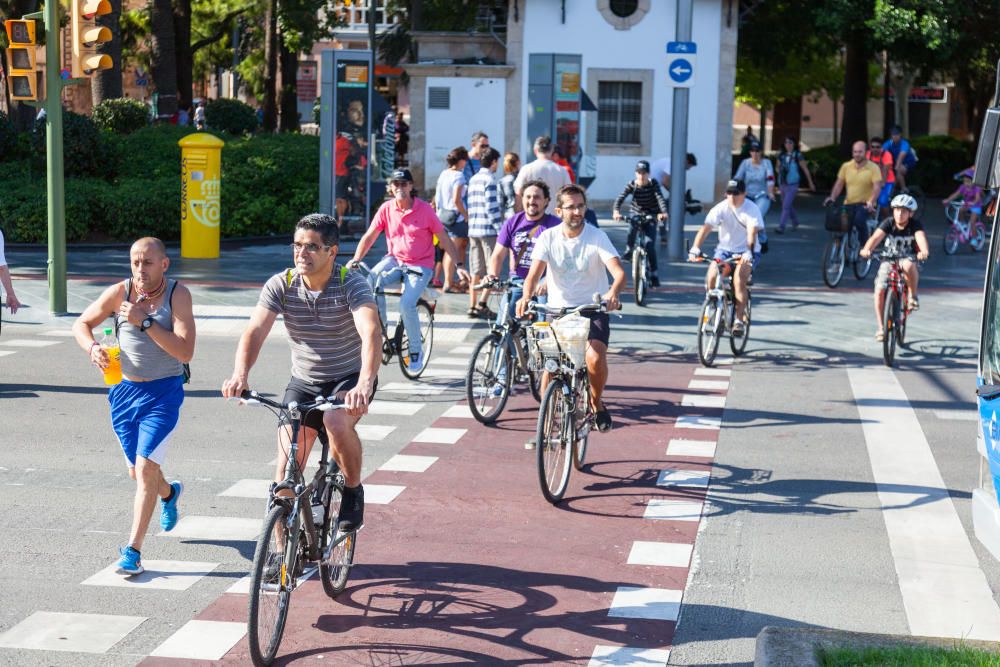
column 333, row 330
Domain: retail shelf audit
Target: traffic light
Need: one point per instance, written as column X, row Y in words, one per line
column 21, row 60
column 87, row 35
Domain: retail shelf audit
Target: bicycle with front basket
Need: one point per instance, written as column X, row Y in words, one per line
column 398, row 343
column 298, row 529
column 499, row 360
column 565, row 416
column 844, row 246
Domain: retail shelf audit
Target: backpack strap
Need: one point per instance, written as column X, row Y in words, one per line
column 525, row 243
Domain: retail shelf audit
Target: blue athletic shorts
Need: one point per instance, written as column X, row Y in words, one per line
column 725, row 254
column 144, row 415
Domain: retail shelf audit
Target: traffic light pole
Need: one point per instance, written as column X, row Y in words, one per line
column 54, row 161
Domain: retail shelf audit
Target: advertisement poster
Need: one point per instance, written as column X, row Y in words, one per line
column 351, row 143
column 567, row 112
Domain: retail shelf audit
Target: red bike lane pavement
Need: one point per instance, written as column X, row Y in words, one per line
column 470, row 565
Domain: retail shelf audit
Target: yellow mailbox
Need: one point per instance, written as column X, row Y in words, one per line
column 201, row 195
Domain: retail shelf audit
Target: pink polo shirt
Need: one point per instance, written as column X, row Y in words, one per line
column 409, row 234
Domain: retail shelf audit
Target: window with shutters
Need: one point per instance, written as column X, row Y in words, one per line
column 619, row 116
column 438, row 98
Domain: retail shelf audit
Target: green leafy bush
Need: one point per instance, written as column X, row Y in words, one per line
column 824, row 163
column 232, row 116
column 83, row 152
column 121, row 116
column 8, row 138
column 152, row 152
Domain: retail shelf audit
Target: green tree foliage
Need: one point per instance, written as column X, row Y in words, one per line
column 121, row 115
column 231, row 116
column 83, row 152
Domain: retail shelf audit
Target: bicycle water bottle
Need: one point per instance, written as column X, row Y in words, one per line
column 113, row 373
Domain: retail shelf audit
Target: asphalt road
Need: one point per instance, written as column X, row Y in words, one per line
column 796, row 527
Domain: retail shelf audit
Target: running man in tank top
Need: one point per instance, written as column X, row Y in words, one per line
column 154, row 320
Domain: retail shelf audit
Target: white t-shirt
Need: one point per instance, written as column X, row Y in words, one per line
column 447, row 183
column 732, row 224
column 659, row 168
column 576, row 269
column 546, row 171
column 3, row 260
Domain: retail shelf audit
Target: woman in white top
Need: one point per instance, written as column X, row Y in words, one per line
column 8, row 285
column 758, row 174
column 449, row 200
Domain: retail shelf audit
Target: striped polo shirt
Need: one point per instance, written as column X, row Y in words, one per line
column 325, row 343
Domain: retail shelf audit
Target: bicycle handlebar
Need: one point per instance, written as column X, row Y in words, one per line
column 365, row 269
column 735, row 259
column 321, row 403
column 598, row 306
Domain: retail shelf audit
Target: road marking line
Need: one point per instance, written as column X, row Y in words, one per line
column 673, row 510
column 458, row 412
column 462, row 349
column 433, row 372
column 222, row 528
column 652, row 603
column 624, row 656
column 171, row 575
column 201, row 640
column 452, row 361
column 373, row 431
column 412, row 388
column 666, row 554
column 945, row 594
column 699, row 422
column 957, row 415
column 409, row 463
column 714, row 372
column 241, row 587
column 685, row 479
column 4, row 353
column 699, row 401
column 20, row 342
column 382, row 494
column 248, row 488
column 710, row 385
column 61, row 333
column 404, row 408
column 440, row 436
column 62, row 631
column 702, row 448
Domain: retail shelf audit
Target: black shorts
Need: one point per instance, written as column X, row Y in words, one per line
column 304, row 392
column 600, row 327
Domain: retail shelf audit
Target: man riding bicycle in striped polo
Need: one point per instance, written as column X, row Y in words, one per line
column 738, row 221
column 333, row 330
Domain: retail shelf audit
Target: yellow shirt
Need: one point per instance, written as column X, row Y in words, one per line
column 859, row 180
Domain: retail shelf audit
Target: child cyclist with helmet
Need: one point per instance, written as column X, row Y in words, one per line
column 904, row 238
column 647, row 199
column 971, row 196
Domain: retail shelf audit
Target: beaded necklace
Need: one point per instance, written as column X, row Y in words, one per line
column 146, row 296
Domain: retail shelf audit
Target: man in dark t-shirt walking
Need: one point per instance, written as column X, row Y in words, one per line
column 333, row 330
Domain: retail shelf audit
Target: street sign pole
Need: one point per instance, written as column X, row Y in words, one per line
column 678, row 145
column 54, row 162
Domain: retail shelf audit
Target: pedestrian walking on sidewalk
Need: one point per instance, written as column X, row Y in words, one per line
column 791, row 167
column 154, row 320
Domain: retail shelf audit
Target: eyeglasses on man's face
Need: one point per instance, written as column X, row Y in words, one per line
column 307, row 247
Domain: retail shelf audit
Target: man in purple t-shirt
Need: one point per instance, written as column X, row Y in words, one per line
column 518, row 235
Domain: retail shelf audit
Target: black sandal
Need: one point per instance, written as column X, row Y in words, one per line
column 602, row 418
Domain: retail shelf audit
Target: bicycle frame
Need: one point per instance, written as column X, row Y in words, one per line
column 964, row 228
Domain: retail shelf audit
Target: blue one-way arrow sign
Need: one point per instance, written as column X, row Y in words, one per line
column 681, row 58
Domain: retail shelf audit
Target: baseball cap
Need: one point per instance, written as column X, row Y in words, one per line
column 642, row 165
column 402, row 175
column 736, row 186
column 755, row 145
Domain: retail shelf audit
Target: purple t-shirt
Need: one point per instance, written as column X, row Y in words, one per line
column 518, row 230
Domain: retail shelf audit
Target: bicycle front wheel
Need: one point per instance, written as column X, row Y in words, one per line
column 426, row 318
column 488, row 380
column 708, row 332
column 270, row 588
column 978, row 240
column 639, row 276
column 890, row 321
column 552, row 444
column 833, row 261
column 861, row 265
column 951, row 241
column 739, row 345
column 338, row 554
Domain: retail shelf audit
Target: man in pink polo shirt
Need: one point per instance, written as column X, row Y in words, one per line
column 410, row 225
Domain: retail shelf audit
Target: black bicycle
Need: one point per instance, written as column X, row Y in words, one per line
column 641, row 270
column 844, row 246
column 718, row 313
column 498, row 361
column 298, row 529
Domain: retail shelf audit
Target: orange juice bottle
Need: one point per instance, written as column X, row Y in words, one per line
column 113, row 373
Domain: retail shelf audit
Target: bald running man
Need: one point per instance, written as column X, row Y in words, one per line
column 154, row 320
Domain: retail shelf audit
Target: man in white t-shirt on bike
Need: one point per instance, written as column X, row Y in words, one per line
column 578, row 258
column 738, row 221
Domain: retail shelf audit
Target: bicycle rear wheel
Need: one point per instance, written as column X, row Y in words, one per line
column 708, row 331
column 489, row 378
column 890, row 313
column 833, row 261
column 270, row 589
column 426, row 318
column 338, row 556
column 978, row 240
column 639, row 276
column 951, row 241
column 859, row 264
column 739, row 345
column 552, row 446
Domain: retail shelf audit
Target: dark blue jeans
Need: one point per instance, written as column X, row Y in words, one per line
column 858, row 216
column 649, row 228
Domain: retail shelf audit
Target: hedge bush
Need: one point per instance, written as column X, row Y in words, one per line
column 121, row 116
column 232, row 116
column 8, row 138
column 83, row 150
column 268, row 183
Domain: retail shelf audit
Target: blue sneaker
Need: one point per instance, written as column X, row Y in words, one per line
column 130, row 562
column 168, row 510
column 416, row 365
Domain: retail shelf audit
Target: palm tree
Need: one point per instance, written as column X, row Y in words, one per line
column 163, row 56
column 108, row 82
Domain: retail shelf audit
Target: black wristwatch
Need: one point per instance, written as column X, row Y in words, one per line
column 146, row 323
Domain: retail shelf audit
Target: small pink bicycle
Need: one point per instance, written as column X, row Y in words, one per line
column 961, row 231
